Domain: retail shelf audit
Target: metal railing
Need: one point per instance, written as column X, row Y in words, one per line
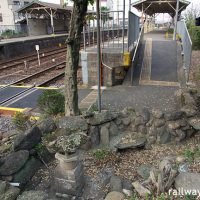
column 136, row 52
column 183, row 33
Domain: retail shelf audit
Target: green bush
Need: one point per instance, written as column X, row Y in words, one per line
column 100, row 154
column 52, row 102
column 195, row 36
column 21, row 121
column 170, row 30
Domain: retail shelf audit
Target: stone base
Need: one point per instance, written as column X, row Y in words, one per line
column 64, row 186
column 69, row 182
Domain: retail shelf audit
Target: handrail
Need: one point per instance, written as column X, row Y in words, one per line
column 106, row 66
column 135, row 52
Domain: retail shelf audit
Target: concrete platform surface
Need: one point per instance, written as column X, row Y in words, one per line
column 119, row 97
column 29, row 38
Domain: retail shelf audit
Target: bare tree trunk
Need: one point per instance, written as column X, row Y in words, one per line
column 72, row 60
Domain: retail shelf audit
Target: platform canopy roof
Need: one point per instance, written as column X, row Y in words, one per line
column 151, row 7
column 40, row 8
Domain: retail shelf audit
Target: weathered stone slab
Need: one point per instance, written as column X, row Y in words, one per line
column 188, row 181
column 115, row 196
column 195, row 123
column 101, row 118
column 172, row 116
column 144, row 171
column 47, row 126
column 13, row 162
column 28, row 140
column 73, row 123
column 104, row 136
column 27, row 172
column 33, row 195
column 136, row 143
column 116, row 183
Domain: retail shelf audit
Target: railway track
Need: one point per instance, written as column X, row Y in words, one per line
column 29, row 57
column 31, row 89
column 31, row 62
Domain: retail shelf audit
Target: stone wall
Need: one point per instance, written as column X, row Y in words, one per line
column 131, row 129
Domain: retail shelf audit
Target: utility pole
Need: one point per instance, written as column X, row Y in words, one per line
column 98, row 54
column 176, row 20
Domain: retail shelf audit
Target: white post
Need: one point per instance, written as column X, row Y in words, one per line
column 52, row 25
column 37, row 47
column 176, row 20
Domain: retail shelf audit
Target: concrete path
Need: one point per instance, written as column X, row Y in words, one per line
column 138, row 97
column 155, row 78
column 159, row 65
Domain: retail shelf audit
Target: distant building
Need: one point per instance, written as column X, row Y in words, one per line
column 103, row 3
column 8, row 16
column 43, row 18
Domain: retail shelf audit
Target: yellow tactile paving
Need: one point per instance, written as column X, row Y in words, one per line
column 159, row 83
column 146, row 65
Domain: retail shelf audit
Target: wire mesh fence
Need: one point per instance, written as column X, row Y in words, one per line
column 12, row 31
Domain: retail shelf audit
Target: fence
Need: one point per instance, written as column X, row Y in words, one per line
column 133, row 28
column 10, row 31
column 111, row 27
column 182, row 31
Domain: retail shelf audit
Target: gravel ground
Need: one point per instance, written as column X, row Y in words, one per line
column 195, row 68
column 6, row 125
column 126, row 163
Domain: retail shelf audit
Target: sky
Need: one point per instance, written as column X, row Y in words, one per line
column 160, row 17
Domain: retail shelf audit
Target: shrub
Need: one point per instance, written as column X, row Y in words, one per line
column 52, row 102
column 100, row 154
column 189, row 155
column 170, row 30
column 195, row 36
column 39, row 148
column 21, row 121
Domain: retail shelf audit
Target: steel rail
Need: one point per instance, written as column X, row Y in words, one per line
column 31, row 76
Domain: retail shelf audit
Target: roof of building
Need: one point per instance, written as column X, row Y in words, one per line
column 37, row 5
column 151, row 7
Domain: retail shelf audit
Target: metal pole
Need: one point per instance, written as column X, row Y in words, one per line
column 113, row 33
column 128, row 30
column 93, row 31
column 123, row 32
column 108, row 29
column 84, row 40
column 176, row 20
column 89, row 33
column 118, row 32
column 98, row 55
